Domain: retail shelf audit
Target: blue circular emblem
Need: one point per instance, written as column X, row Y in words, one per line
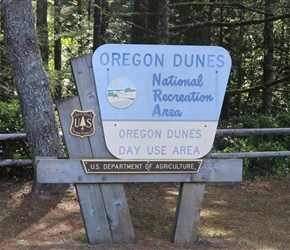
column 121, row 93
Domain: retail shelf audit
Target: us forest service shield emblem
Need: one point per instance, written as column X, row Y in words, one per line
column 82, row 123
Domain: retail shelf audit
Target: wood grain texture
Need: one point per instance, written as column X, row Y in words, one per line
column 72, row 171
column 245, row 155
column 120, row 226
column 90, row 197
column 188, row 210
column 92, row 201
column 94, row 213
column 84, row 78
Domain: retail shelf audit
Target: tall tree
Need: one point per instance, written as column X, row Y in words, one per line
column 152, row 20
column 31, row 80
column 268, row 59
column 79, row 25
column 97, row 24
column 57, row 31
column 57, row 45
column 163, row 22
column 42, row 29
column 139, row 22
column 100, row 22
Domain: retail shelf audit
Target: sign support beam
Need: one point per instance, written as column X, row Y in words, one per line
column 187, row 214
column 97, row 208
column 52, row 170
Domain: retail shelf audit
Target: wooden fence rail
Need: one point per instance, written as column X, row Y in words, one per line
column 219, row 133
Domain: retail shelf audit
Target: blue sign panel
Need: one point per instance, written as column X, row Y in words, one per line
column 153, row 95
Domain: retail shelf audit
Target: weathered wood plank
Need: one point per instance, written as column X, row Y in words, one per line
column 72, row 171
column 15, row 163
column 94, row 213
column 90, row 197
column 25, row 162
column 121, row 226
column 252, row 131
column 240, row 155
column 84, row 78
column 83, row 74
column 188, row 210
column 4, row 137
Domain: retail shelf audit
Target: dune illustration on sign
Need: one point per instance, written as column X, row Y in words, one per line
column 121, row 93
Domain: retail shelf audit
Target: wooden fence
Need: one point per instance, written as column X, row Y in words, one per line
column 219, row 133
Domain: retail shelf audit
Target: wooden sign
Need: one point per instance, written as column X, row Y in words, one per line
column 101, row 195
column 160, row 101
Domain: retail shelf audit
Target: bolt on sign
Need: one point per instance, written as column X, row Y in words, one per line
column 160, row 101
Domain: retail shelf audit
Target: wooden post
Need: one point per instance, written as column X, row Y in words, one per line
column 104, row 206
column 187, row 214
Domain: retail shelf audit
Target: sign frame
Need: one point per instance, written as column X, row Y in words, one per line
column 183, row 87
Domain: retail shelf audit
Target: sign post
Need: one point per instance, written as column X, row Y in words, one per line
column 144, row 113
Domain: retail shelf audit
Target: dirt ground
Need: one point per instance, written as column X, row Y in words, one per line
column 253, row 214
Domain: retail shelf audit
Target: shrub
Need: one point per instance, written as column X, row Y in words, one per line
column 253, row 167
column 11, row 123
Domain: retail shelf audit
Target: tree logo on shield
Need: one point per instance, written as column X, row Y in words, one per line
column 82, row 123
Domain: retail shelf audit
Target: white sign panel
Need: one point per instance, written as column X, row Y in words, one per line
column 160, row 101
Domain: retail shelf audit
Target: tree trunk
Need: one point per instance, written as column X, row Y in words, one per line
column 79, row 25
column 210, row 18
column 104, row 19
column 89, row 10
column 97, row 24
column 152, row 20
column 31, row 80
column 57, row 40
column 57, row 45
column 221, row 30
column 268, row 59
column 163, row 22
column 240, row 69
column 139, row 22
column 42, row 29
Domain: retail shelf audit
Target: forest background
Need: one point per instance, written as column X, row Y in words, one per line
column 256, row 34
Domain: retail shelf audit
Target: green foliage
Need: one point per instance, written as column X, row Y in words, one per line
column 186, row 26
column 253, row 167
column 118, row 32
column 10, row 114
column 11, row 123
column 61, row 84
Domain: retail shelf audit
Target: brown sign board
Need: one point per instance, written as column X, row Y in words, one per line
column 96, row 166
